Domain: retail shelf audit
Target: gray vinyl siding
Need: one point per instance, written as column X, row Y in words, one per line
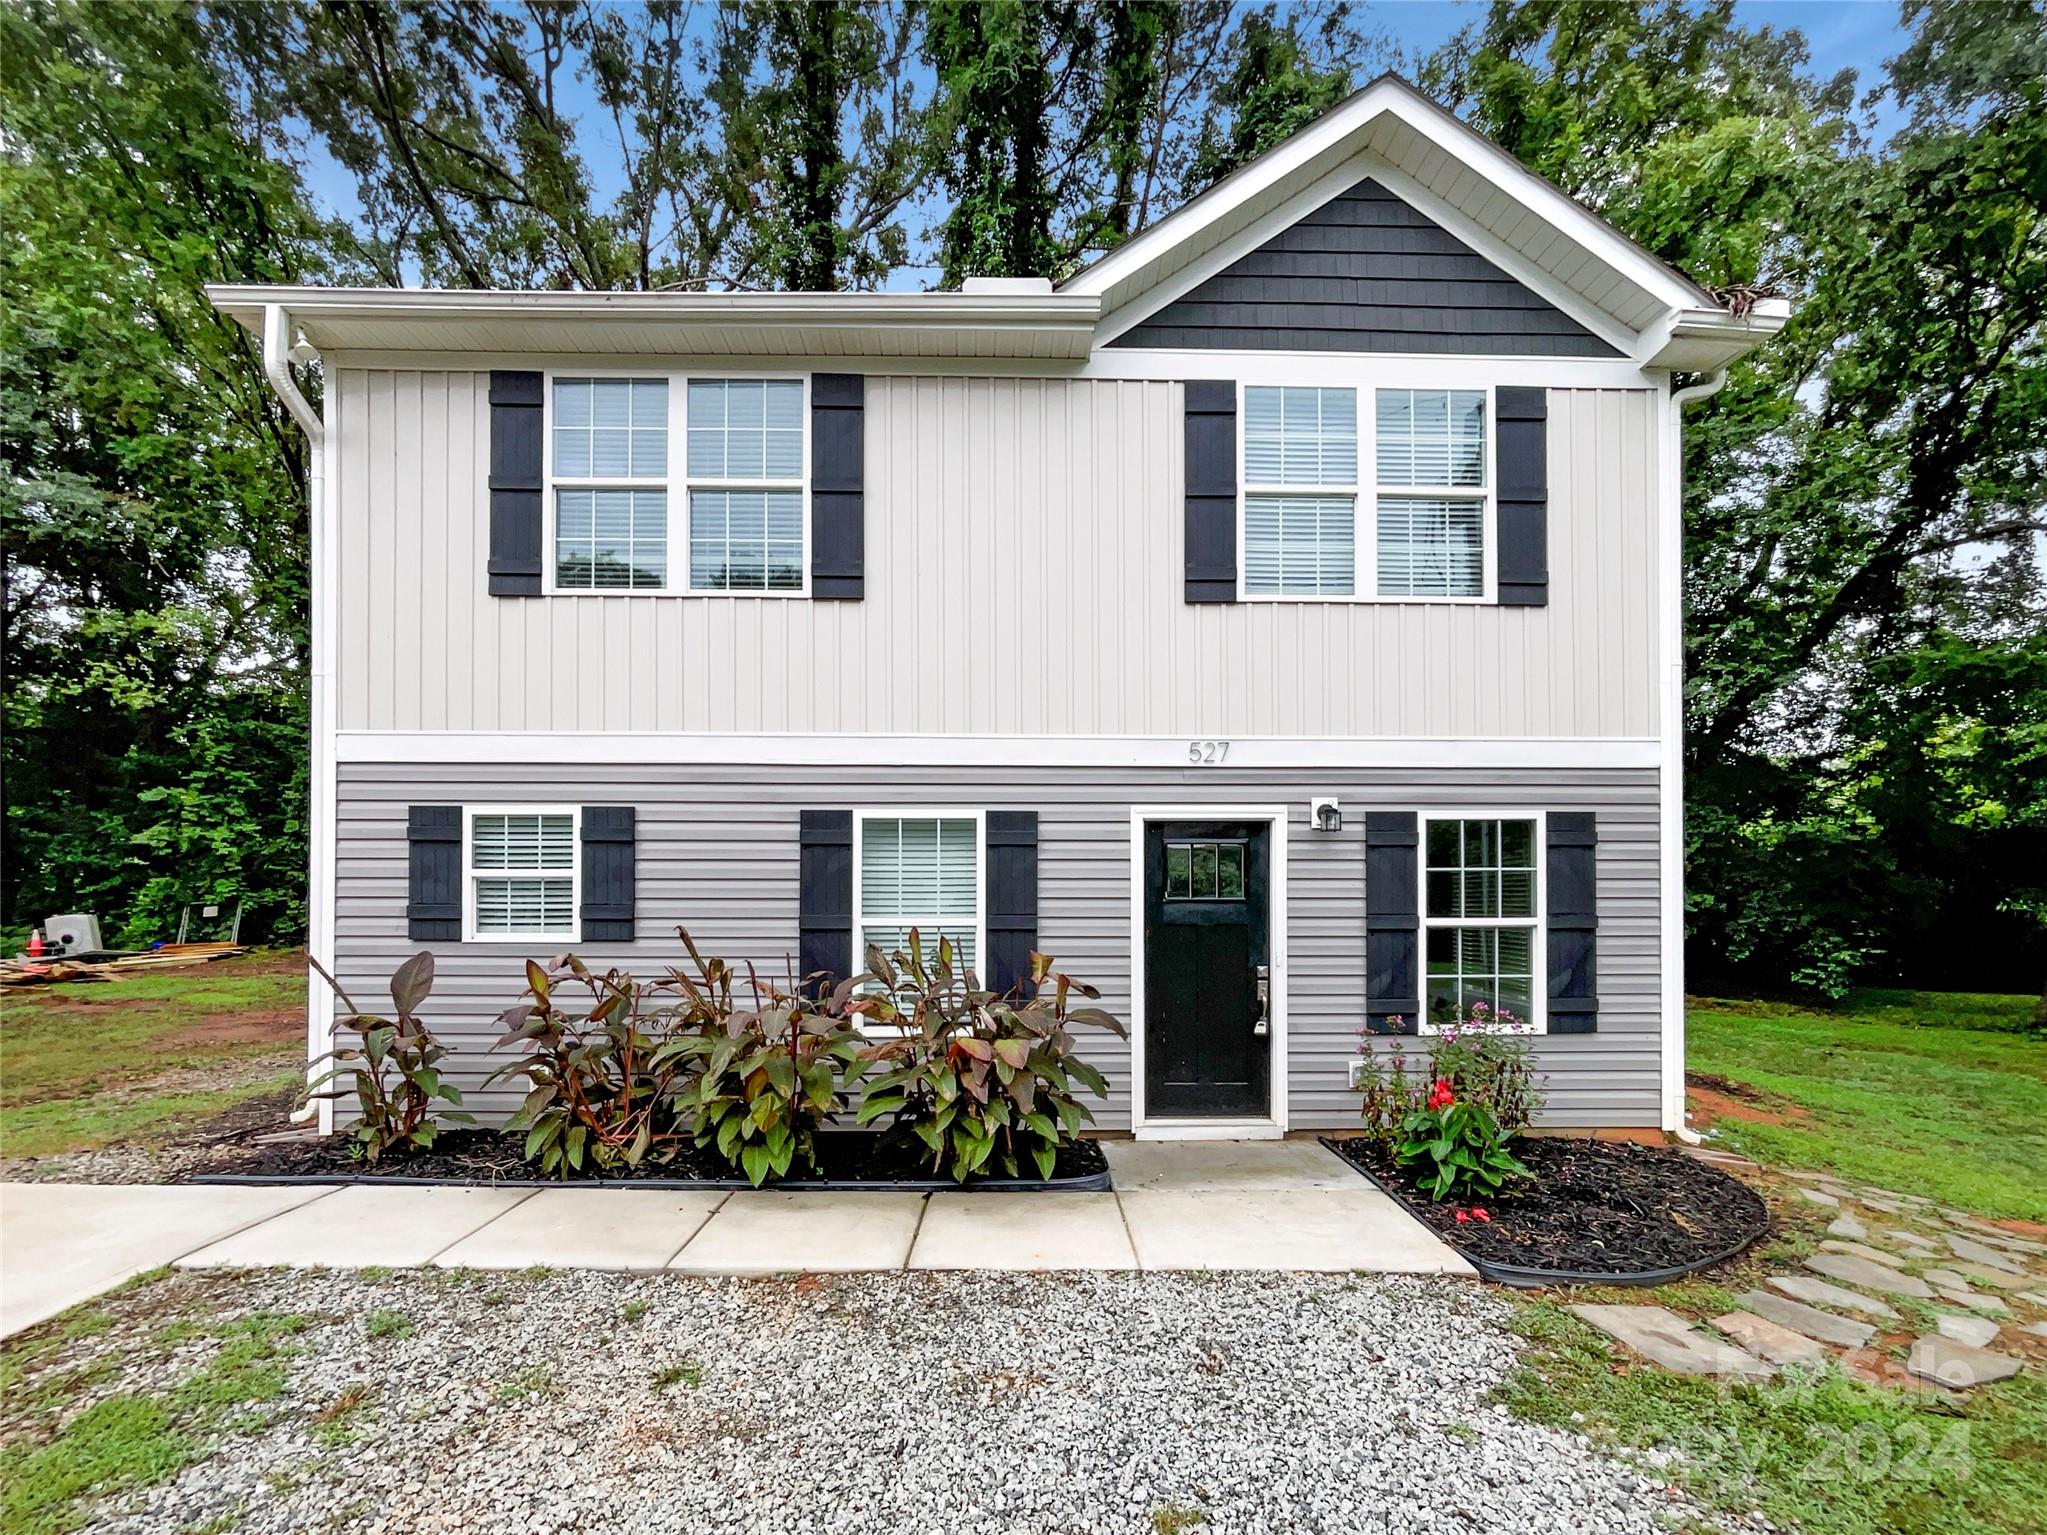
column 718, row 850
column 1366, row 272
column 1068, row 490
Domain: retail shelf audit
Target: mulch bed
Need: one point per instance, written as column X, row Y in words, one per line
column 1606, row 1209
column 846, row 1159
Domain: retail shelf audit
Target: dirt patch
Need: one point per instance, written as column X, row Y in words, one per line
column 1714, row 1098
column 2035, row 1231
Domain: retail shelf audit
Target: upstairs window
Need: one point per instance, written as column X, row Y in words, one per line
column 922, row 872
column 1431, row 469
column 1300, row 492
column 609, row 441
column 520, row 867
column 746, row 467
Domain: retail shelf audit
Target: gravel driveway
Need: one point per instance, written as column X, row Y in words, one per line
column 945, row 1403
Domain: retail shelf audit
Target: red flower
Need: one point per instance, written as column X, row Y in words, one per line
column 1478, row 1213
column 1463, row 1216
column 1441, row 1096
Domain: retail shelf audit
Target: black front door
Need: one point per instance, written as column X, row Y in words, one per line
column 1207, row 1039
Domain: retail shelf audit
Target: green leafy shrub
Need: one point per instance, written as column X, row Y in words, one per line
column 981, row 1080
column 1452, row 1114
column 1456, row 1147
column 393, row 1069
column 601, row 1082
column 759, row 1081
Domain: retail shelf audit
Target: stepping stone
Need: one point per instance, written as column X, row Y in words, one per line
column 1888, row 1206
column 1858, row 1250
column 1819, row 1292
column 1958, row 1366
column 1664, row 1338
column 2034, row 1297
column 1871, row 1276
column 1990, row 1231
column 1826, row 1326
column 1975, row 1331
column 1778, row 1344
column 1849, row 1229
column 2037, row 1329
column 1989, row 1305
column 1997, row 1279
column 1946, row 1279
column 1820, row 1197
column 1911, row 1239
column 1981, row 1252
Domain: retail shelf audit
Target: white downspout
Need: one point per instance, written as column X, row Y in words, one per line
column 1670, row 779
column 277, row 358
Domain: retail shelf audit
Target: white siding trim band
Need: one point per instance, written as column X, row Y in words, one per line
column 1196, row 754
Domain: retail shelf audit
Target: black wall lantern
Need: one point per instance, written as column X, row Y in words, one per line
column 1327, row 814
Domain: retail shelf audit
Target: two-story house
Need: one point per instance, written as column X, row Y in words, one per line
column 1277, row 622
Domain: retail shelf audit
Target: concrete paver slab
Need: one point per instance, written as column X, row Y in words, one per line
column 361, row 1227
column 1321, row 1230
column 1023, row 1231
column 762, row 1232
column 1809, row 1320
column 1871, row 1276
column 1863, row 1250
column 1226, row 1165
column 1819, row 1292
column 1976, row 1331
column 1983, row 1252
column 61, row 1243
column 1769, row 1340
column 1664, row 1338
column 1997, row 1279
column 587, row 1229
column 1849, row 1229
column 1956, row 1365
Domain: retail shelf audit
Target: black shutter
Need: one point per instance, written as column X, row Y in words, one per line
column 825, row 871
column 433, row 858
column 1523, row 502
column 516, row 517
column 1012, row 898
column 1573, row 878
column 837, row 486
column 608, row 873
column 1211, row 427
column 1392, row 920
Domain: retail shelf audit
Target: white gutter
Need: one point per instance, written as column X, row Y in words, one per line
column 1670, row 778
column 277, row 354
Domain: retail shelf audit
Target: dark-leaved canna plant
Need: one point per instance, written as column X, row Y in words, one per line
column 394, row 1068
column 984, row 1081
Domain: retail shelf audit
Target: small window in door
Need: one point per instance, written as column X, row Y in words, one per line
column 1204, row 871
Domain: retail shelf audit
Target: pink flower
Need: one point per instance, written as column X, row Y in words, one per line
column 1463, row 1216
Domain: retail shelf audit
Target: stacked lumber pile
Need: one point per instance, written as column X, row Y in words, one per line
column 57, row 970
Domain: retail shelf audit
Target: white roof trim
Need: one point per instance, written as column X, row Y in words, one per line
column 1347, row 128
column 1701, row 340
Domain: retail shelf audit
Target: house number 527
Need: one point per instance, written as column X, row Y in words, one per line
column 1207, row 753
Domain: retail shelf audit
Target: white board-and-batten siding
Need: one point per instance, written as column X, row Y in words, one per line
column 1024, row 575
column 717, row 850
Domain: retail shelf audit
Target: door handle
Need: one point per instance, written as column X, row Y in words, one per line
column 1262, row 974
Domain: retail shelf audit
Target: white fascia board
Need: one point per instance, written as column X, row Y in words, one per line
column 1351, row 121
column 1701, row 340
column 324, row 314
column 687, row 748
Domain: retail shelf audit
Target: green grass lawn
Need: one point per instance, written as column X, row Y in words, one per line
column 85, row 1064
column 1936, row 1094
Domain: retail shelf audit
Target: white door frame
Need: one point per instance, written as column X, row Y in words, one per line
column 1273, row 1126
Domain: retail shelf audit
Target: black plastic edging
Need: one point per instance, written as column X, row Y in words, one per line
column 1522, row 1277
column 1085, row 1183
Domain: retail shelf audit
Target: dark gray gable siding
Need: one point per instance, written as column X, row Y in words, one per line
column 1366, row 273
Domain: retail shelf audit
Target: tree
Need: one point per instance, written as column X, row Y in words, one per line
column 1283, row 73
column 153, row 501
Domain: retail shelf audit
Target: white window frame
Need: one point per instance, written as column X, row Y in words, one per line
column 676, row 484
column 1539, row 945
column 1366, row 493
column 921, row 813
column 470, row 874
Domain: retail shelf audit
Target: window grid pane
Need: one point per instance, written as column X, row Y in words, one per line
column 1204, row 871
column 1300, row 436
column 1300, row 546
column 746, row 540
column 745, row 429
column 525, row 905
column 923, row 873
column 1431, row 548
column 1482, row 868
column 610, row 428
column 533, row 841
column 608, row 540
column 1432, row 437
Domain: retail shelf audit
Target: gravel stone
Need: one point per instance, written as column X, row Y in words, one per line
column 954, row 1404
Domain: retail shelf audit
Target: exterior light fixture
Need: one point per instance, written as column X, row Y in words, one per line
column 1327, row 815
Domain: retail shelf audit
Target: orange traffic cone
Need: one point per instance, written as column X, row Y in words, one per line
column 35, row 943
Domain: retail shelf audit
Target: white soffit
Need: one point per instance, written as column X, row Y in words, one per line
column 1494, row 195
column 1054, row 327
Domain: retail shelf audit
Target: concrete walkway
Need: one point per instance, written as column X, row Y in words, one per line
column 1194, row 1205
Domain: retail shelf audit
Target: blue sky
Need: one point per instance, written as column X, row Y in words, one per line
column 1841, row 34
